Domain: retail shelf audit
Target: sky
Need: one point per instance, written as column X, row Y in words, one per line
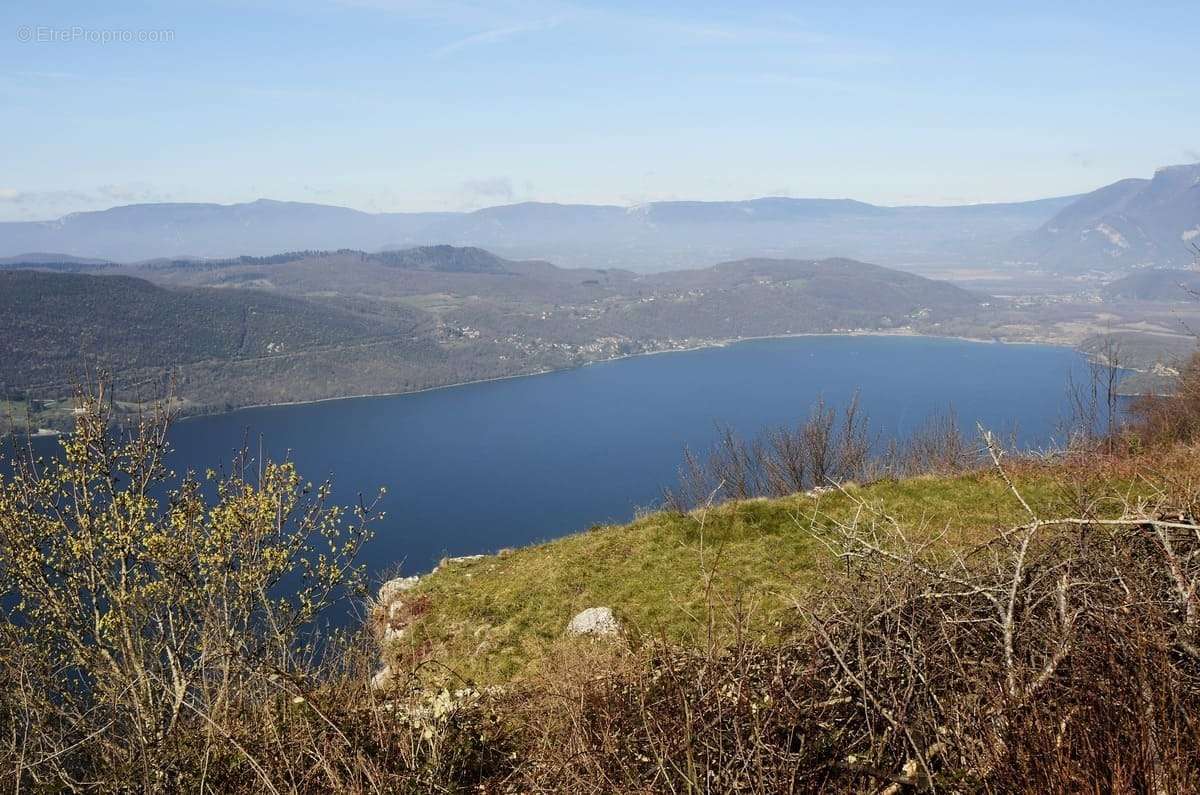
column 407, row 105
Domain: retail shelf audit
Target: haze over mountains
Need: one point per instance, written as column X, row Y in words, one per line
column 145, row 231
column 1160, row 284
column 1131, row 223
column 1136, row 222
column 657, row 236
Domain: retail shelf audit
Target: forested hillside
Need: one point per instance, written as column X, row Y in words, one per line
column 54, row 325
column 311, row 325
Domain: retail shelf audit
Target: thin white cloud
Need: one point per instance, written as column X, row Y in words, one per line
column 497, row 21
column 491, row 191
column 495, row 35
column 781, row 31
column 432, row 9
column 466, row 15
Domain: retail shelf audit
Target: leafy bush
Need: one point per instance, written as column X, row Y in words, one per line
column 141, row 626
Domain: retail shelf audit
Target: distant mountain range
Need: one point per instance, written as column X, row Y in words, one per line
column 649, row 237
column 145, row 231
column 674, row 235
column 1131, row 223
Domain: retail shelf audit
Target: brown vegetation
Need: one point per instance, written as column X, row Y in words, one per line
column 1165, row 419
column 819, row 452
column 165, row 643
column 1058, row 655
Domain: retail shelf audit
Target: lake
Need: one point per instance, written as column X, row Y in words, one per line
column 480, row 467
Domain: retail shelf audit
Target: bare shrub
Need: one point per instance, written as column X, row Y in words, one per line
column 850, row 448
column 735, row 464
column 938, row 447
column 737, row 720
column 1173, row 418
column 785, row 462
column 696, row 484
column 825, row 448
column 1058, row 656
column 1093, row 421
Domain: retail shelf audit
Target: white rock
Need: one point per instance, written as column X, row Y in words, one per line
column 594, row 621
column 390, row 590
column 383, row 679
column 392, row 634
column 459, row 559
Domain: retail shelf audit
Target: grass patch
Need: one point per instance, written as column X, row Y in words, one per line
column 493, row 619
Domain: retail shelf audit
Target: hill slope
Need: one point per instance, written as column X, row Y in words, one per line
column 1134, row 222
column 499, row 617
column 55, row 323
column 469, row 287
column 313, row 325
column 1168, row 285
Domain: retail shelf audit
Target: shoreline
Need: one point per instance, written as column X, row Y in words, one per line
column 707, row 346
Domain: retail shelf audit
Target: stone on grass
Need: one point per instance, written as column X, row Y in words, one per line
column 391, row 590
column 383, row 679
column 594, row 621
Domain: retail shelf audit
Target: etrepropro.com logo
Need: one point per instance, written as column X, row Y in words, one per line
column 79, row 34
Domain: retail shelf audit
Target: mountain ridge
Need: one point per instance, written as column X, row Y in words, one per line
column 651, row 236
column 1131, row 223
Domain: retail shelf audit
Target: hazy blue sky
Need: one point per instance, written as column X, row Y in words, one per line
column 415, row 104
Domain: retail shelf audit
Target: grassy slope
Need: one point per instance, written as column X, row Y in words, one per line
column 492, row 619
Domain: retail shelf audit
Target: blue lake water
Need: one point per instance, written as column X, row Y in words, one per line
column 485, row 466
